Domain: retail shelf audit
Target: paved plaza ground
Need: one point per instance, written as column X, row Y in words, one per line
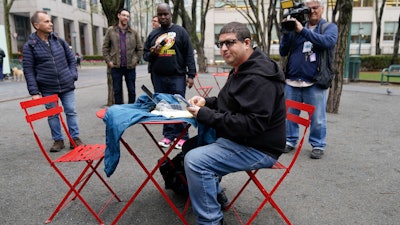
column 356, row 182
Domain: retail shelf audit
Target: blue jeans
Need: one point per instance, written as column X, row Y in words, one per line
column 206, row 164
column 68, row 103
column 171, row 85
column 317, row 97
column 130, row 79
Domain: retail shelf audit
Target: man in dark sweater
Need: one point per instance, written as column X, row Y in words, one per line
column 249, row 119
column 169, row 51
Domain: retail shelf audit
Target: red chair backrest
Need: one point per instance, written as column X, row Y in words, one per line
column 303, row 119
column 31, row 117
column 35, row 110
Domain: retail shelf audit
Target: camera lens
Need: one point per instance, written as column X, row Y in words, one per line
column 288, row 26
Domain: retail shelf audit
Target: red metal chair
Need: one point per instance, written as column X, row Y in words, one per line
column 90, row 155
column 303, row 119
column 203, row 91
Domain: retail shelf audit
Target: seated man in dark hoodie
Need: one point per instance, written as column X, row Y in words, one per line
column 249, row 119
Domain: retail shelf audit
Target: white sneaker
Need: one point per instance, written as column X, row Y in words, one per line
column 165, row 143
column 179, row 144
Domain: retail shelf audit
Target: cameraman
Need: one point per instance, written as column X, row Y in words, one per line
column 303, row 48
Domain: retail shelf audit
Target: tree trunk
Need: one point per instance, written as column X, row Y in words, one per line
column 258, row 27
column 272, row 19
column 7, row 7
column 345, row 8
column 110, row 9
column 378, row 25
column 189, row 23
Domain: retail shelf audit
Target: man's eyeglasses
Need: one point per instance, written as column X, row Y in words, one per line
column 227, row 43
column 315, row 7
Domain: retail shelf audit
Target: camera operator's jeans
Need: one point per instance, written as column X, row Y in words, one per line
column 68, row 103
column 206, row 164
column 317, row 97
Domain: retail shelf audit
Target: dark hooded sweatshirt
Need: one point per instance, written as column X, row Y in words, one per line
column 250, row 109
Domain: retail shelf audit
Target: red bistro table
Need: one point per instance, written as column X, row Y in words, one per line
column 151, row 171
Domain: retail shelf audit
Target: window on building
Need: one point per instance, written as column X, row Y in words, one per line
column 392, row 3
column 368, row 3
column 217, row 29
column 219, row 3
column 274, row 36
column 331, row 3
column 361, row 32
column 82, row 4
column 22, row 30
column 363, row 3
column 69, row 2
column 389, row 31
column 68, row 31
column 230, row 3
column 240, row 3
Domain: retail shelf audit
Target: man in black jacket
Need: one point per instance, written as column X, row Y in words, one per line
column 249, row 119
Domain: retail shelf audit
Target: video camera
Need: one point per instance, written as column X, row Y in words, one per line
column 296, row 10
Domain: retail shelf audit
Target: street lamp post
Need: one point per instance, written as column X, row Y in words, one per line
column 74, row 40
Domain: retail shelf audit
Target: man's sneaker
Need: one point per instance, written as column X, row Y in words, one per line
column 165, row 143
column 288, row 149
column 222, row 200
column 316, row 153
column 179, row 145
column 57, row 146
column 77, row 141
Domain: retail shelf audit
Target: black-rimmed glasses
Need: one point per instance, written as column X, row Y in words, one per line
column 315, row 7
column 227, row 43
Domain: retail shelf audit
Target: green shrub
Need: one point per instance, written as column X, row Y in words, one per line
column 93, row 57
column 376, row 63
column 368, row 63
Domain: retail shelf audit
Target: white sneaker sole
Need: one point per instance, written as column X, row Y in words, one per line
column 162, row 144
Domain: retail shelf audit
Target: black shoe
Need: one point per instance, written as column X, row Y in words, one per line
column 288, row 149
column 316, row 153
column 57, row 146
column 222, row 222
column 222, row 200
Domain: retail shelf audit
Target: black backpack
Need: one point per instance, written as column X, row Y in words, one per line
column 173, row 173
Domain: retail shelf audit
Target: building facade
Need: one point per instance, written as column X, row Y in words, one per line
column 80, row 22
column 363, row 26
